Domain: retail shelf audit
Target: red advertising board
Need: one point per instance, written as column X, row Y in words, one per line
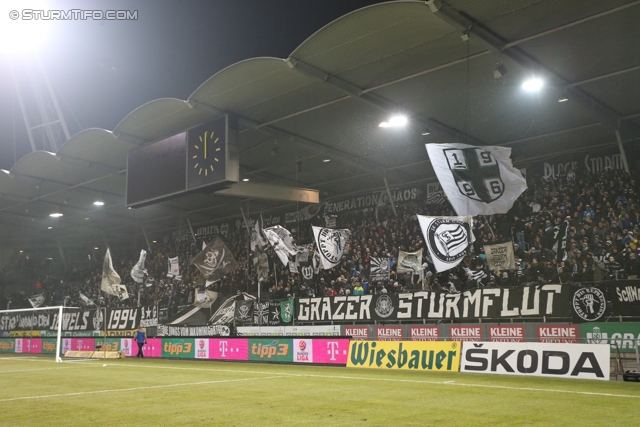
column 389, row 333
column 465, row 333
column 424, row 333
column 558, row 333
column 511, row 333
column 356, row 332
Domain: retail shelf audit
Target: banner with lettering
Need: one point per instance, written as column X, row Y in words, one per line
column 405, row 355
column 494, row 303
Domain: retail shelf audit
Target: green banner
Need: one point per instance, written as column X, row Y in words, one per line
column 49, row 346
column 271, row 349
column 178, row 348
column 7, row 345
column 622, row 334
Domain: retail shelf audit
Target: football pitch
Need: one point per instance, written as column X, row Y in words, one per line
column 35, row 391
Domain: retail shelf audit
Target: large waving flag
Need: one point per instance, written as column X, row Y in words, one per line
column 477, row 180
column 111, row 282
column 282, row 242
column 447, row 239
column 138, row 271
column 331, row 245
column 215, row 260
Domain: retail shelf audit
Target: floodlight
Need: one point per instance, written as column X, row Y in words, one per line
column 245, row 179
column 98, row 203
column 398, row 120
column 23, row 25
column 534, row 84
column 56, row 214
column 563, row 99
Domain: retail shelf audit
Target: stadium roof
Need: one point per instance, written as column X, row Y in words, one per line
column 326, row 100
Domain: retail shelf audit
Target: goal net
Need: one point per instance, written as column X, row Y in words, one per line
column 31, row 331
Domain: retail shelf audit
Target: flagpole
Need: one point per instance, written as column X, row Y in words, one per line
column 246, row 224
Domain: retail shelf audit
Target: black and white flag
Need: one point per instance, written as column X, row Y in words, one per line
column 477, row 274
column 447, row 238
column 86, row 299
column 560, row 241
column 331, row 245
column 282, row 242
column 36, row 300
column 410, row 262
column 257, row 239
column 204, row 299
column 477, row 180
column 174, row 268
column 138, row 271
column 244, row 312
column 380, row 269
column 215, row 260
column 500, row 256
column 111, row 282
column 260, row 263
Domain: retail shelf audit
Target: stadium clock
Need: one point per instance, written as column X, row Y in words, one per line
column 207, row 154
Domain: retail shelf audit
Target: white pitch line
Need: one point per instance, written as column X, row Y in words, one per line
column 32, row 370
column 347, row 377
column 82, row 393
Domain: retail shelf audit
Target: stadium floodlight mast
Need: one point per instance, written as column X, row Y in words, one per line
column 60, row 308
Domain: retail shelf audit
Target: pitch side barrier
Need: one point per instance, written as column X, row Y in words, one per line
column 329, row 350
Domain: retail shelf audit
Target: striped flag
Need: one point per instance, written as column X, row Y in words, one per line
column 448, row 239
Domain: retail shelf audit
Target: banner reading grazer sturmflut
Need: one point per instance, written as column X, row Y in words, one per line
column 409, row 355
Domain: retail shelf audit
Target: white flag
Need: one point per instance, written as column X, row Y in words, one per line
column 86, row 299
column 447, row 239
column 281, row 241
column 36, row 300
column 500, row 256
column 331, row 245
column 174, row 268
column 110, row 277
column 204, row 299
column 410, row 262
column 477, row 180
column 257, row 241
column 138, row 271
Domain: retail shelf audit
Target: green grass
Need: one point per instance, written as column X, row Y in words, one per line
column 37, row 391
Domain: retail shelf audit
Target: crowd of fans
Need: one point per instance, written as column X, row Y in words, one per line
column 601, row 210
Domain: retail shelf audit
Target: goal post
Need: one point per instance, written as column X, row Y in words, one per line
column 51, row 323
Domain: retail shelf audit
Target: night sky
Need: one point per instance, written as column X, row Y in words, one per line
column 102, row 70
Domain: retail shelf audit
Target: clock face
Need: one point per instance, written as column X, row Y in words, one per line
column 206, row 154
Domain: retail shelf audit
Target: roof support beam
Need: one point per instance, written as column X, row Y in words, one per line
column 373, row 99
column 468, row 25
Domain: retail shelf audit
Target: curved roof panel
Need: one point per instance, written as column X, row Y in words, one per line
column 158, row 119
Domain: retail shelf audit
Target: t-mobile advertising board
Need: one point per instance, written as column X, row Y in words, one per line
column 229, row 348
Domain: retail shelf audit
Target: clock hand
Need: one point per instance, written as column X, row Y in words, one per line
column 205, row 145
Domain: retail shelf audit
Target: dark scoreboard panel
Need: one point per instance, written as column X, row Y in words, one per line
column 204, row 158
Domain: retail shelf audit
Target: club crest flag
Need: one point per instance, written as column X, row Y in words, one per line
column 36, row 300
column 331, row 245
column 215, row 260
column 110, row 278
column 409, row 262
column 287, row 310
column 447, row 239
column 380, row 269
column 282, row 242
column 138, row 271
column 174, row 268
column 500, row 256
column 257, row 241
column 477, row 180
